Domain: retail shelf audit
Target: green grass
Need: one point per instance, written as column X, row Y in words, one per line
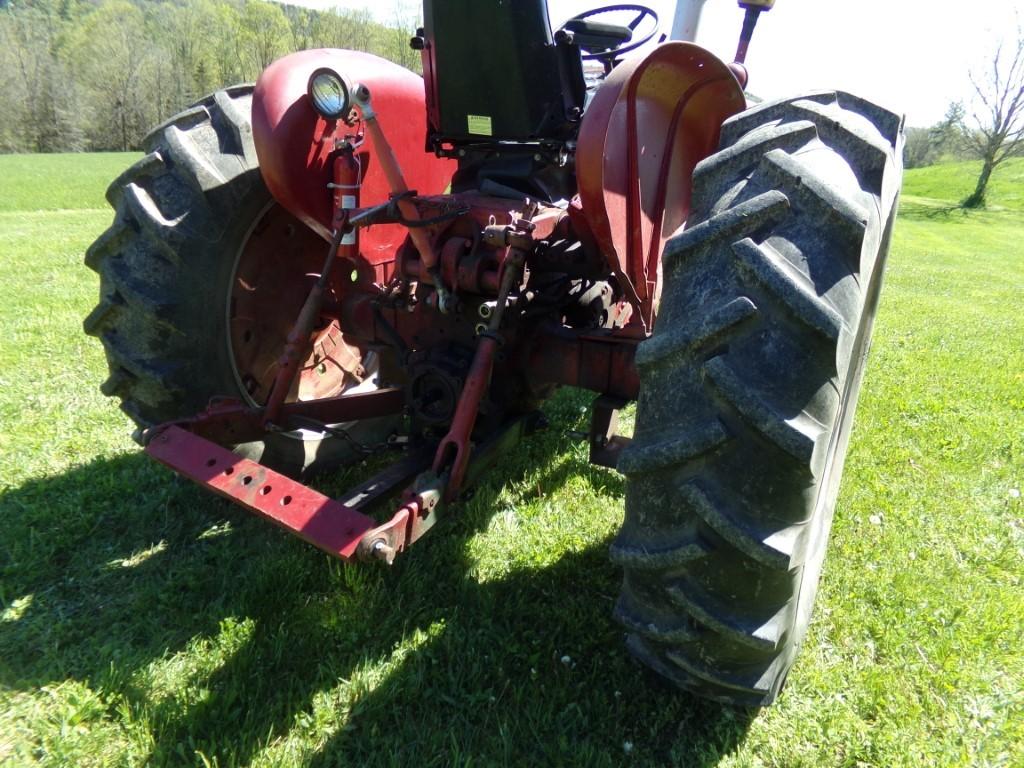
column 58, row 182
column 951, row 182
column 143, row 622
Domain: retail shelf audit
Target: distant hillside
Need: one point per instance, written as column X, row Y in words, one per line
column 98, row 74
column 952, row 182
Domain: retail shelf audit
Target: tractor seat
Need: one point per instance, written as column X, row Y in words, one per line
column 495, row 73
column 597, row 37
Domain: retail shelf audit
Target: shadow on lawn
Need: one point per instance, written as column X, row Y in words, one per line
column 484, row 681
column 927, row 212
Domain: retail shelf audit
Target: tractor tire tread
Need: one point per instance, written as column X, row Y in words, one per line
column 772, row 547
column 765, row 314
column 699, row 334
column 796, row 436
column 161, row 219
column 762, row 634
column 794, row 291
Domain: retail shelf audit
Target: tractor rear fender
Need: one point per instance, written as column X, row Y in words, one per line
column 650, row 122
column 295, row 145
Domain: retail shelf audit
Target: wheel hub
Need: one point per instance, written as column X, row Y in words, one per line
column 274, row 271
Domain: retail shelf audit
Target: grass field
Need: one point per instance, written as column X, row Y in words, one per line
column 143, row 622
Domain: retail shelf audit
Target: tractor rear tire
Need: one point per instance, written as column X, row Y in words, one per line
column 183, row 214
column 748, row 389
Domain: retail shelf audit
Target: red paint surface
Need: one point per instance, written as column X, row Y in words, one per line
column 295, row 145
column 651, row 121
column 457, row 439
column 323, row 522
column 271, row 283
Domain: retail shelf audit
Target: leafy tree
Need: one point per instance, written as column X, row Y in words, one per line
column 113, row 58
column 946, row 136
column 944, row 140
column 404, row 23
column 227, row 49
column 182, row 31
column 39, row 100
column 266, row 34
column 917, row 151
column 350, row 29
column 98, row 74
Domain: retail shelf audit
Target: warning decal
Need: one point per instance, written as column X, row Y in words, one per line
column 479, row 125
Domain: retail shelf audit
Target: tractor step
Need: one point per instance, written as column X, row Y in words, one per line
column 326, row 524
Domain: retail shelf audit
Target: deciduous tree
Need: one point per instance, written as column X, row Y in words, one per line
column 266, row 34
column 998, row 113
column 38, row 99
column 98, row 74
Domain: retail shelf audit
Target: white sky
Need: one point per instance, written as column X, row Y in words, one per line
column 910, row 55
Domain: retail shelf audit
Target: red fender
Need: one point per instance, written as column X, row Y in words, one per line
column 650, row 122
column 295, row 145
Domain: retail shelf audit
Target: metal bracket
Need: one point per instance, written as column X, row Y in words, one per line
column 605, row 444
column 383, row 484
column 425, row 499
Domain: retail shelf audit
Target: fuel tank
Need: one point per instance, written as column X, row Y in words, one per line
column 295, row 145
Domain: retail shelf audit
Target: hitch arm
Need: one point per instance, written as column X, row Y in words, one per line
column 298, row 339
column 455, row 445
column 338, row 528
column 228, row 421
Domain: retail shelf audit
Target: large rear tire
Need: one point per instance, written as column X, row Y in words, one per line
column 748, row 389
column 181, row 253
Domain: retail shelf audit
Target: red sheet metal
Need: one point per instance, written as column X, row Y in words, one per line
column 319, row 520
column 651, row 121
column 295, row 146
column 599, row 361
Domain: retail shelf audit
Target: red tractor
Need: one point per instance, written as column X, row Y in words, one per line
column 348, row 259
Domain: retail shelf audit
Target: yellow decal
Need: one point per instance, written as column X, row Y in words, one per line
column 479, row 125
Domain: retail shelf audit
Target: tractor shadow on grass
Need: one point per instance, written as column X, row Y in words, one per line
column 220, row 636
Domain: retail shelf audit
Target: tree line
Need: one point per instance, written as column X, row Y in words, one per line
column 97, row 75
column 943, row 141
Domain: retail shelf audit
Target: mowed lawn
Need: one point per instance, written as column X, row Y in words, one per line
column 143, row 622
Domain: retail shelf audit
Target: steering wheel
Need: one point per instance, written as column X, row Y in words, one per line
column 642, row 12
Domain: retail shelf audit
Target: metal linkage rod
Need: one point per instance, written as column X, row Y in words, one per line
column 298, row 338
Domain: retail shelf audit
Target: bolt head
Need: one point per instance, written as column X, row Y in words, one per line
column 381, row 551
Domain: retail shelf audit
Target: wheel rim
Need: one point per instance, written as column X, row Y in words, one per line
column 274, row 269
